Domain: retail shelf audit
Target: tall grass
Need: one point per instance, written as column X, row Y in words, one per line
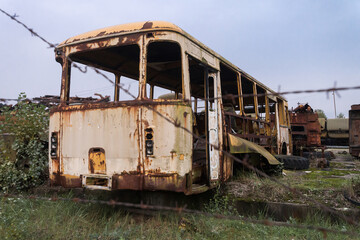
column 35, row 219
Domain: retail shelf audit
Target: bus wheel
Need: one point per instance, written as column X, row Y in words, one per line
column 293, row 162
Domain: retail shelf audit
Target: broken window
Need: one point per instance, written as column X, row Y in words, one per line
column 91, row 87
column 248, row 98
column 261, row 102
column 197, row 90
column 164, row 72
column 229, row 89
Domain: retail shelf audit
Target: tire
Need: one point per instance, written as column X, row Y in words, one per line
column 293, row 162
column 312, row 155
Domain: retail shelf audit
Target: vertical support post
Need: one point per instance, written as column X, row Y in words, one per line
column 267, row 120
column 241, row 100
column 117, row 88
column 277, row 119
column 334, row 103
column 267, row 116
column 206, row 96
column 185, row 75
column 256, row 108
column 195, row 105
column 65, row 82
column 151, row 91
column 142, row 67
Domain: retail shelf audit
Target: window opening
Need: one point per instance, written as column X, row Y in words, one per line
column 164, row 70
column 91, row 87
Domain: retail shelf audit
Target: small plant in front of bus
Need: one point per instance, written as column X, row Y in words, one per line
column 221, row 203
column 23, row 144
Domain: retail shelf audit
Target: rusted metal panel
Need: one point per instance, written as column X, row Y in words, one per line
column 213, row 122
column 354, row 130
column 306, row 128
column 54, row 163
column 115, row 131
column 123, row 29
column 175, row 154
column 239, row 145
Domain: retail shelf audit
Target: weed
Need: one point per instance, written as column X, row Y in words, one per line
column 23, row 164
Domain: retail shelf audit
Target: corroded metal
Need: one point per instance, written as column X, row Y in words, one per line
column 354, row 130
column 103, row 145
column 306, row 128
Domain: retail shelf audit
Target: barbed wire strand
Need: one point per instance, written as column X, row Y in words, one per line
column 180, row 210
column 177, row 124
column 227, row 96
column 279, row 93
column 33, row 33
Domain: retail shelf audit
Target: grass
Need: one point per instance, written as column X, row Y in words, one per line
column 35, row 219
column 326, row 186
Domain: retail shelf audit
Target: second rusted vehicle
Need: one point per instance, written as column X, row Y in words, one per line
column 305, row 129
column 354, row 130
column 173, row 142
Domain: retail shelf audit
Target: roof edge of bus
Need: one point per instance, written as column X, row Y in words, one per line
column 147, row 26
column 122, row 29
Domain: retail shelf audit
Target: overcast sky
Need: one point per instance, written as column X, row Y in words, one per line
column 289, row 44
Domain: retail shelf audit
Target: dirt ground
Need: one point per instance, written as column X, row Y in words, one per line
column 326, row 185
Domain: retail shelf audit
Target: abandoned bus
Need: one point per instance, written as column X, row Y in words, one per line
column 160, row 142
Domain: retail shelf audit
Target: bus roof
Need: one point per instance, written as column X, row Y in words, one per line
column 123, row 29
column 149, row 26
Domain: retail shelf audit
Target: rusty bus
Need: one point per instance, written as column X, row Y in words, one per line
column 138, row 144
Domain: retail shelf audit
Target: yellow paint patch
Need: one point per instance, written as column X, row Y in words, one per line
column 97, row 161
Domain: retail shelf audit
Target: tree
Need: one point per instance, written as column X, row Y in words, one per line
column 341, row 115
column 320, row 113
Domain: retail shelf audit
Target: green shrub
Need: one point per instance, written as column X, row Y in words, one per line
column 27, row 124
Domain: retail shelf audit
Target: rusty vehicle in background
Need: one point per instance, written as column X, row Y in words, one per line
column 305, row 129
column 334, row 131
column 172, row 142
column 354, row 130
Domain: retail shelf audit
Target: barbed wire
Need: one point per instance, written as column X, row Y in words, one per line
column 233, row 96
column 227, row 96
column 177, row 124
column 180, row 210
column 33, row 33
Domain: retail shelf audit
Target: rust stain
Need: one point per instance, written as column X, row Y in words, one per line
column 173, row 154
column 147, row 162
column 91, row 166
column 154, row 181
column 129, row 104
column 147, row 25
column 101, row 34
column 70, row 181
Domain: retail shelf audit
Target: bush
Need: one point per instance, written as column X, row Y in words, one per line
column 27, row 124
